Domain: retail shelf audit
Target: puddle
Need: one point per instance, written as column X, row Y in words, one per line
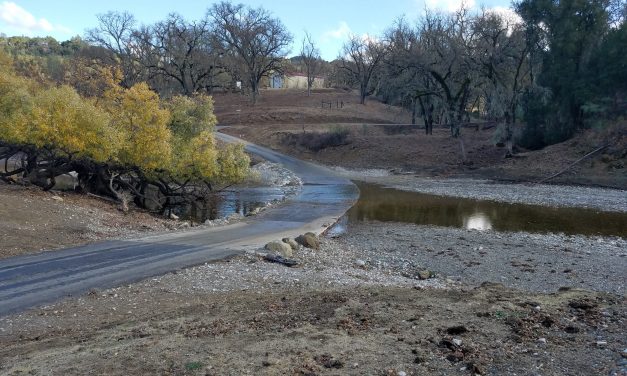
column 240, row 201
column 391, row 205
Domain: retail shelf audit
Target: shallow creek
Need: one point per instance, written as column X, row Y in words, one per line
column 392, row 205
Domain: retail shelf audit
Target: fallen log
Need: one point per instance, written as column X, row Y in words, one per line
column 573, row 164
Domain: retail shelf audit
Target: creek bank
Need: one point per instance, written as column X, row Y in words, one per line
column 603, row 199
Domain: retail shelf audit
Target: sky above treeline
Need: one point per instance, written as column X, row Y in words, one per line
column 330, row 22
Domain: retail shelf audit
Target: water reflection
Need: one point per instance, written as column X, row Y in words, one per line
column 477, row 221
column 240, row 200
column 384, row 204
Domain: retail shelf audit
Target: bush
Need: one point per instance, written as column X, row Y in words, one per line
column 319, row 141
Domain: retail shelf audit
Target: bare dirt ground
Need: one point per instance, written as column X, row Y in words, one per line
column 376, row 142
column 33, row 220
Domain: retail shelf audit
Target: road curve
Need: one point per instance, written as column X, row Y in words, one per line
column 28, row 281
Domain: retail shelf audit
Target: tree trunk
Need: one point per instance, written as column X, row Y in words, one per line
column 508, row 136
column 413, row 111
column 463, row 151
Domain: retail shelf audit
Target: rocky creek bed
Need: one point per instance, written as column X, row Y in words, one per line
column 605, row 199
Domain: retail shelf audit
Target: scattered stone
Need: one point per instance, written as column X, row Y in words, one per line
column 360, row 263
column 291, row 242
column 457, row 342
column 309, row 240
column 280, row 260
column 234, row 217
column 401, row 373
column 601, row 343
column 456, row 356
column 280, row 247
column 542, row 341
column 57, row 198
column 424, row 274
column 173, row 216
column 571, row 329
column 328, row 361
column 255, row 211
column 475, row 369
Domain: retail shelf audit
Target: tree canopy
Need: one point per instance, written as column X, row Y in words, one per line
column 121, row 142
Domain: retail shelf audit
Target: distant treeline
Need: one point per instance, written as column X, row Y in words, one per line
column 542, row 72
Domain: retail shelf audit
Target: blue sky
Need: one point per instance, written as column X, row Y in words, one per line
column 330, row 22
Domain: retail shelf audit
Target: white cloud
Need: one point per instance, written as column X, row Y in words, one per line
column 15, row 16
column 342, row 32
column 449, row 5
column 508, row 14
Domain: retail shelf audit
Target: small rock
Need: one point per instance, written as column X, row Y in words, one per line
column 360, row 263
column 424, row 274
column 57, row 198
column 280, row 247
column 174, row 216
column 291, row 243
column 601, row 343
column 542, row 340
column 309, row 240
column 234, row 217
column 457, row 341
column 255, row 211
column 401, row 373
column 455, row 357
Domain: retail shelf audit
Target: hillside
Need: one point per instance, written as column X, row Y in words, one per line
column 375, row 140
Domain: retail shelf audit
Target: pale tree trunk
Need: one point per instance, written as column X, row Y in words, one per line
column 508, row 136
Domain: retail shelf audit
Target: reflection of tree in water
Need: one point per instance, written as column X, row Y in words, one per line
column 225, row 203
column 377, row 203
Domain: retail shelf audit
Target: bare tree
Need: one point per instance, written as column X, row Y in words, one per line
column 311, row 58
column 361, row 57
column 115, row 32
column 254, row 37
column 504, row 65
column 407, row 78
column 181, row 51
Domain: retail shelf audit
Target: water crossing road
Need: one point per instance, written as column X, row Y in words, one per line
column 32, row 280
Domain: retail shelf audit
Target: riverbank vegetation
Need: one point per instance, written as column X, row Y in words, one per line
column 119, row 142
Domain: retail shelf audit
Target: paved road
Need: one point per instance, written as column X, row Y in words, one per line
column 29, row 281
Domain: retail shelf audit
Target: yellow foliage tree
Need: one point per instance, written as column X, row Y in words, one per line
column 16, row 103
column 233, row 162
column 191, row 116
column 63, row 121
column 91, row 78
column 114, row 134
column 143, row 127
